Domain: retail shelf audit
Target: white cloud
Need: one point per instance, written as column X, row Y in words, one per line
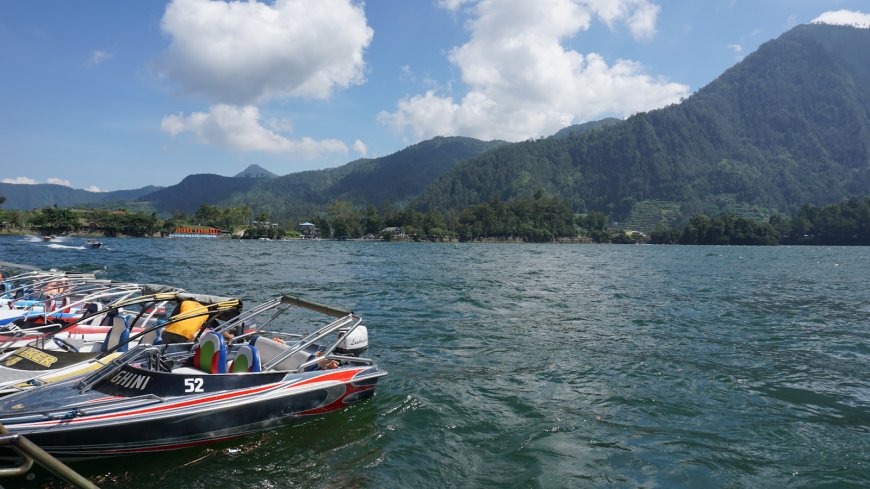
column 452, row 5
column 59, row 181
column 94, row 188
column 246, row 52
column 639, row 15
column 239, row 128
column 20, row 181
column 844, row 17
column 737, row 48
column 406, row 73
column 523, row 82
column 99, row 56
column 360, row 147
column 281, row 125
column 30, row 181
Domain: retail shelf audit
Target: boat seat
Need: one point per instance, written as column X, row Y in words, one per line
column 118, row 334
column 152, row 337
column 270, row 349
column 93, row 308
column 211, row 354
column 247, row 360
column 108, row 318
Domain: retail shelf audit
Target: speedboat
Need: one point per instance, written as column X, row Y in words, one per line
column 38, row 312
column 155, row 398
column 93, row 244
column 81, row 347
column 33, row 296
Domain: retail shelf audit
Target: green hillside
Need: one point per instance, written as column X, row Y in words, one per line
column 585, row 127
column 196, row 190
column 396, row 178
column 788, row 125
column 23, row 197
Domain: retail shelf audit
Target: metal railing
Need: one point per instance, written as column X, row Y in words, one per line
column 31, row 452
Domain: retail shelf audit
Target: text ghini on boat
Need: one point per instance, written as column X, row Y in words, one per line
column 167, row 397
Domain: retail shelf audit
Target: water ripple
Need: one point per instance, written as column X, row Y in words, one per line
column 544, row 366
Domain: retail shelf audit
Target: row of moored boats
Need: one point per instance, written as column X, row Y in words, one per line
column 86, row 369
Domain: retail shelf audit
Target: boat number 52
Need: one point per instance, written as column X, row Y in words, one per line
column 193, row 385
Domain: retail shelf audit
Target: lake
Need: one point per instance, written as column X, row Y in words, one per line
column 539, row 365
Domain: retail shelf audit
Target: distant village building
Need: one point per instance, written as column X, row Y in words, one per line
column 264, row 224
column 195, row 232
column 393, row 231
column 308, row 230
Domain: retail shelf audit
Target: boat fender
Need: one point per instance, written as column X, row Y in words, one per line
column 354, row 343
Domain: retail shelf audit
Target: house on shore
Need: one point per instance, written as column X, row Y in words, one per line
column 308, row 230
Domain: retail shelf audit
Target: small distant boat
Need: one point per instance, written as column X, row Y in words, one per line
column 93, row 244
column 48, row 237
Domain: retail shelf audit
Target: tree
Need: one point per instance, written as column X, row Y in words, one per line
column 372, row 223
column 54, row 220
column 345, row 219
column 138, row 224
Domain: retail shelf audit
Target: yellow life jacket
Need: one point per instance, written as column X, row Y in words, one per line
column 188, row 327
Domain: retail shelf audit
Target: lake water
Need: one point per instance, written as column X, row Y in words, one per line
column 540, row 365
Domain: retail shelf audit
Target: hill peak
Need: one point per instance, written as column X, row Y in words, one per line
column 256, row 171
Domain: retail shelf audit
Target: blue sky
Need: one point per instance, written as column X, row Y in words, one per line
column 111, row 95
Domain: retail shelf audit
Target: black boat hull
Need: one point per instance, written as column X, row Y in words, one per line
column 170, row 425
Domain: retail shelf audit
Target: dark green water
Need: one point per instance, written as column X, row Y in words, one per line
column 542, row 365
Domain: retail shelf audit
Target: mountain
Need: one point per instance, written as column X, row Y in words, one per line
column 585, row 127
column 195, row 190
column 256, row 171
column 396, row 178
column 788, row 125
column 24, row 197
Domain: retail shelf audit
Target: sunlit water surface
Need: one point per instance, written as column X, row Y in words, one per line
column 540, row 365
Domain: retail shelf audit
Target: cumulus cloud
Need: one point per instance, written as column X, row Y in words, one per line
column 523, row 82
column 737, row 48
column 452, row 4
column 844, row 17
column 360, row 147
column 99, row 56
column 94, row 188
column 20, row 181
column 30, row 181
column 639, row 15
column 239, row 128
column 59, row 181
column 248, row 52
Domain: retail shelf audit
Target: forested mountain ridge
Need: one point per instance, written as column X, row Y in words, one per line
column 585, row 127
column 194, row 190
column 395, row 178
column 788, row 125
column 22, row 197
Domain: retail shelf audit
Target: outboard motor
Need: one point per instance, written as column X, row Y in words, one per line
column 355, row 343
